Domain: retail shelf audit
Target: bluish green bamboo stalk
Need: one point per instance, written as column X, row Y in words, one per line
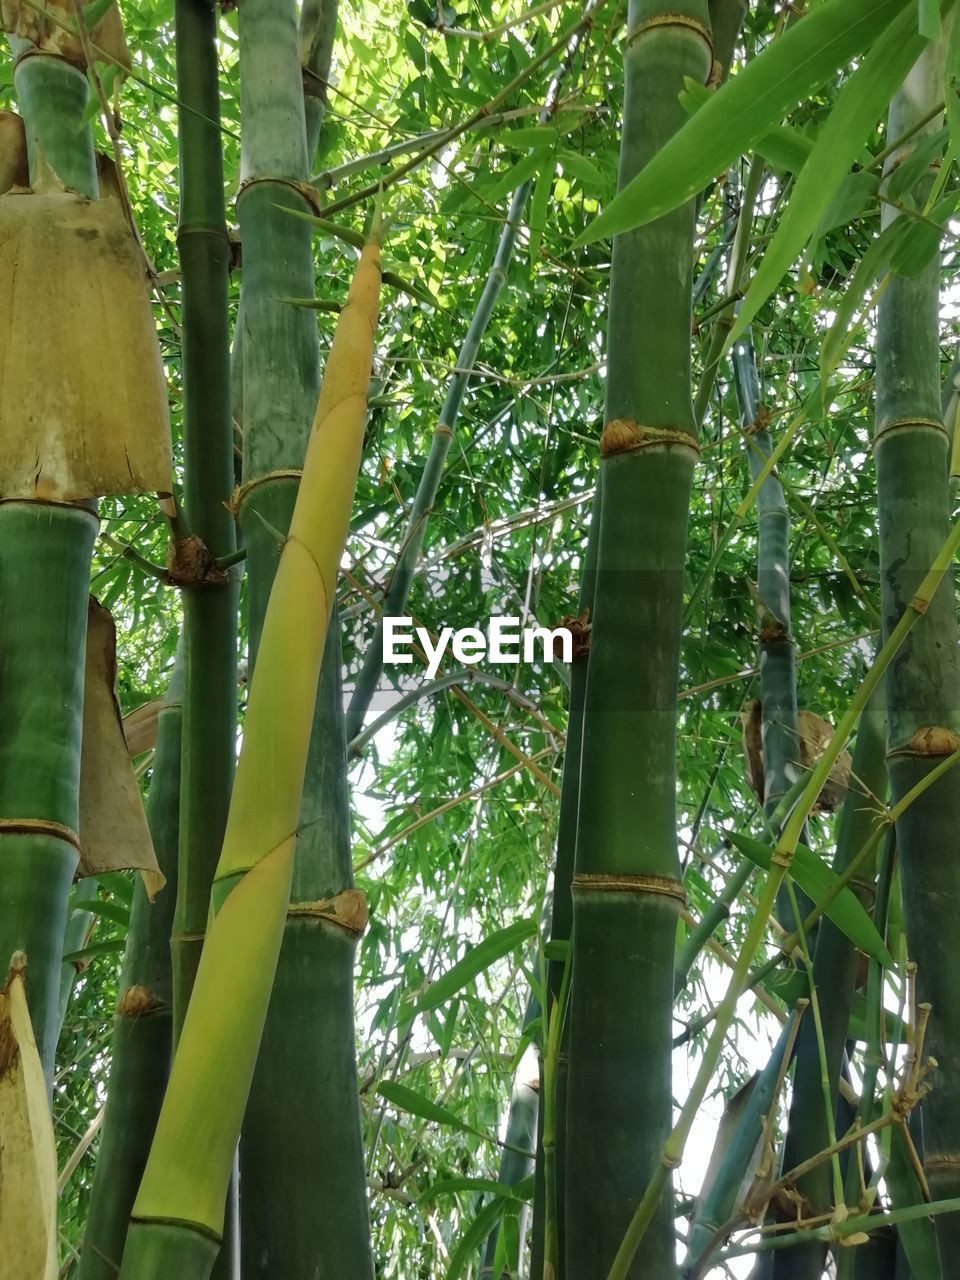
column 44, row 583
column 716, row 1208
column 398, row 587
column 561, row 911
column 143, row 1023
column 301, row 1147
column 834, row 976
column 626, row 887
column 923, row 685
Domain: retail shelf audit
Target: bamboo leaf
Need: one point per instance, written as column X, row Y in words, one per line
column 474, row 1236
column 859, row 104
column 788, row 70
column 582, row 168
column 522, row 171
column 538, row 208
column 816, row 879
column 781, row 146
column 476, row 961
column 487, row 1186
column 929, row 19
column 417, row 1104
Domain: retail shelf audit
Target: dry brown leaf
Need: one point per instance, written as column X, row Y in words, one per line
column 83, row 398
column 52, row 26
column 113, row 828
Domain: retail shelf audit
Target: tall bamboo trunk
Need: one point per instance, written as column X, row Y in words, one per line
column 561, row 928
column 626, row 887
column 834, row 976
column 209, row 594
column 44, row 583
column 923, row 682
column 307, row 1155
column 143, row 1022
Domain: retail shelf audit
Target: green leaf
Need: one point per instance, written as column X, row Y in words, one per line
column 859, row 104
column 816, row 879
column 929, row 19
column 781, row 146
column 417, row 1104
column 474, row 1236
column 518, row 173
column 540, row 137
column 786, row 72
column 581, row 168
column 538, row 209
column 476, row 961
column 856, row 192
column 109, row 947
column 487, row 1186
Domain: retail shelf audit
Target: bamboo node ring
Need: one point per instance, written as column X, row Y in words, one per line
column 305, row 189
column 673, row 20
column 621, row 435
column 248, row 486
column 670, row 1162
column 348, row 910
column 899, row 424
column 659, row 886
column 948, row 1162
column 39, row 827
column 781, row 860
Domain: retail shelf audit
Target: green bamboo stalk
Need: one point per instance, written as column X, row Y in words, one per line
column 923, row 686
column 44, row 581
column 318, row 29
column 715, row 1208
column 626, row 889
column 308, row 1152
column 178, row 1215
column 519, row 1139
column 561, row 915
column 398, row 587
column 143, row 1022
column 209, row 598
column 834, row 975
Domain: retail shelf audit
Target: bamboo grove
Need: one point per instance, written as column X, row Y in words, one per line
column 331, row 946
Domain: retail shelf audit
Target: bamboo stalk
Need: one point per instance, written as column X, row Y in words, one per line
column 626, row 888
column 833, row 975
column 398, row 586
column 923, row 687
column 310, row 1151
column 178, row 1215
column 44, row 581
column 209, row 596
column 143, row 1022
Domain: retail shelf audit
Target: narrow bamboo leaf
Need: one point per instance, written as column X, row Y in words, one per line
column 781, row 146
column 911, row 169
column 855, row 193
column 540, row 136
column 115, row 911
column 921, row 238
column 788, row 71
column 582, row 168
column 417, row 1104
column 538, row 208
column 816, row 879
column 929, row 19
column 487, row 1186
column 478, row 959
column 518, row 173
column 109, row 947
column 859, row 105
column 474, row 1236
